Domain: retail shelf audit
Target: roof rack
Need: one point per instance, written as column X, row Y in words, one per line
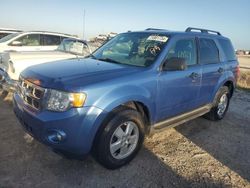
column 148, row 29
column 190, row 29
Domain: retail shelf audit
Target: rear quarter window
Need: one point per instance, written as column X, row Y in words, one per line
column 228, row 49
column 209, row 52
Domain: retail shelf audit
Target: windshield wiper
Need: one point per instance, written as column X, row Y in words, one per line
column 109, row 60
column 91, row 55
column 104, row 59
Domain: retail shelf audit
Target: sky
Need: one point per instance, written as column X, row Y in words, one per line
column 230, row 17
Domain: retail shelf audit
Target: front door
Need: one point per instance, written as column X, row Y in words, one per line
column 178, row 91
column 30, row 42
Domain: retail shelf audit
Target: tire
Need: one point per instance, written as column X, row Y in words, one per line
column 124, row 133
column 219, row 110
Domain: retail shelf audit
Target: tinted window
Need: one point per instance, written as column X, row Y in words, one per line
column 51, row 40
column 62, row 38
column 208, row 51
column 30, row 40
column 8, row 37
column 227, row 49
column 186, row 49
column 3, row 35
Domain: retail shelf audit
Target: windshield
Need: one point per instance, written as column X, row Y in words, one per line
column 8, row 37
column 137, row 49
column 74, row 46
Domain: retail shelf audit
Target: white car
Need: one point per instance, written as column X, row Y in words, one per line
column 13, row 63
column 32, row 41
column 102, row 37
column 4, row 32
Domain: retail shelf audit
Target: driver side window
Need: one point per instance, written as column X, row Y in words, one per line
column 184, row 48
column 29, row 40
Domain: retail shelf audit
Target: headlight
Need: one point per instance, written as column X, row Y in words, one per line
column 62, row 101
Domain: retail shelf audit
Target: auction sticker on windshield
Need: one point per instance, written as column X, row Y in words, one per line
column 158, row 38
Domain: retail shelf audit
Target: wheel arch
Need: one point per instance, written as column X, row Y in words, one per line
column 230, row 86
column 139, row 106
column 224, row 81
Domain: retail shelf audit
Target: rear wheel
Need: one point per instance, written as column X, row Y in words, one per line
column 121, row 139
column 221, row 105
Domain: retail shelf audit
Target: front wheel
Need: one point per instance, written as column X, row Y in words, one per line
column 121, row 139
column 221, row 105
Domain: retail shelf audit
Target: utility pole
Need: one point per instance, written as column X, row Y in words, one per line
column 83, row 24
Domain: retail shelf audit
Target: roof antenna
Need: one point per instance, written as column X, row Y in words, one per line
column 83, row 37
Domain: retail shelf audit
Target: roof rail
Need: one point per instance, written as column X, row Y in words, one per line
column 6, row 29
column 153, row 29
column 53, row 32
column 190, row 29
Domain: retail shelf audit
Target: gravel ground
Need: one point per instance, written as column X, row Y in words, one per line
column 244, row 62
column 200, row 153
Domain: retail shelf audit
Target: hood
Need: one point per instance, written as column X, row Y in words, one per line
column 22, row 60
column 74, row 75
column 44, row 55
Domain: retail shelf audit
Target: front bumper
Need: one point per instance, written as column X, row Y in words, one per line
column 6, row 82
column 79, row 125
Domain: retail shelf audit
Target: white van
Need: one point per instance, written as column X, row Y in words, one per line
column 32, row 41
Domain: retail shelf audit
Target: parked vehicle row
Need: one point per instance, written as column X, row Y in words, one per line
column 13, row 63
column 135, row 84
column 32, row 41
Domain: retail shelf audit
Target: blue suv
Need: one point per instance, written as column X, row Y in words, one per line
column 135, row 84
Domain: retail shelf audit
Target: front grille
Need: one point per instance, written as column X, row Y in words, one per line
column 31, row 94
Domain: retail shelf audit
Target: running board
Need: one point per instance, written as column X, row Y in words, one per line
column 177, row 120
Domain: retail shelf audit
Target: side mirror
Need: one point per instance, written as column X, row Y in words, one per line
column 174, row 64
column 16, row 43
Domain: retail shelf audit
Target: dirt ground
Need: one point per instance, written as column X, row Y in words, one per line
column 200, row 153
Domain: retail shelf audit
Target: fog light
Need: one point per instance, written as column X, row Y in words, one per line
column 56, row 136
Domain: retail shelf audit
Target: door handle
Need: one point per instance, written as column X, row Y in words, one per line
column 194, row 75
column 220, row 70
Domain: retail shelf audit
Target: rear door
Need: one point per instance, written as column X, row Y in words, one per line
column 178, row 91
column 50, row 42
column 212, row 68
